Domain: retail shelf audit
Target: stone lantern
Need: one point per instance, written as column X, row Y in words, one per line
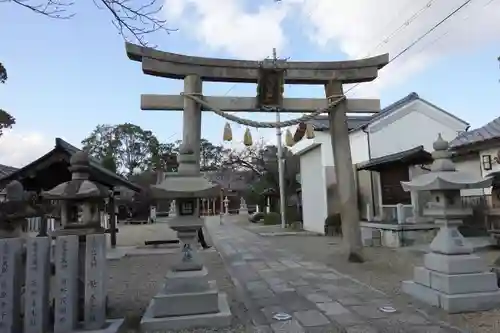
column 452, row 277
column 187, row 299
column 15, row 210
column 79, row 198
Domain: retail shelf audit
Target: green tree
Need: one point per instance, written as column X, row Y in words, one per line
column 212, row 157
column 261, row 159
column 6, row 120
column 126, row 148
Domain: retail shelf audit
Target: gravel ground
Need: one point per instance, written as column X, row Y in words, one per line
column 384, row 269
column 134, row 280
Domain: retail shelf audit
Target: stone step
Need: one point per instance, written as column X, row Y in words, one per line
column 150, row 324
column 454, row 264
column 184, row 304
column 456, row 303
column 456, row 283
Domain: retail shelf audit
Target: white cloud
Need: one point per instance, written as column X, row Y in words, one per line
column 229, row 26
column 357, row 27
column 18, row 148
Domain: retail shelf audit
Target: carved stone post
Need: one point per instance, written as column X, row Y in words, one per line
column 343, row 169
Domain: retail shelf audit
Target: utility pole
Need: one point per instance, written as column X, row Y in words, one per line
column 279, row 156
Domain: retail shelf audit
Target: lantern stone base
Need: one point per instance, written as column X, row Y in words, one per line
column 455, row 283
column 112, row 326
column 187, row 300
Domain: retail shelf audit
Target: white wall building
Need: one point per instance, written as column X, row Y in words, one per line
column 390, row 142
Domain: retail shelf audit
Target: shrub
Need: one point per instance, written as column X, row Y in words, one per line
column 272, row 218
column 333, row 224
column 257, row 217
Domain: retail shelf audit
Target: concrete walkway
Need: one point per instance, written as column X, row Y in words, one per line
column 318, row 298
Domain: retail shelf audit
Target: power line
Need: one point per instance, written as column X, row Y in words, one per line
column 395, row 32
column 416, row 41
column 406, row 49
column 434, row 41
column 403, row 26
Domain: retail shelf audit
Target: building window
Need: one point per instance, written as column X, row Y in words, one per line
column 486, row 162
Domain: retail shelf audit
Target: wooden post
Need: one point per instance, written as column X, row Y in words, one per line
column 112, row 218
column 348, row 198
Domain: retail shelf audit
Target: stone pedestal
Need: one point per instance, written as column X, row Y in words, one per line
column 188, row 299
column 452, row 277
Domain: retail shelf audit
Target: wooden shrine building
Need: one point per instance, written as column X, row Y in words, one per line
column 52, row 169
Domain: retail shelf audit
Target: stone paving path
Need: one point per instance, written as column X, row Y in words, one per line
column 319, row 299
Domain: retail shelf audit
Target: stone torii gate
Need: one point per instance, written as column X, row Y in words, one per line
column 195, row 70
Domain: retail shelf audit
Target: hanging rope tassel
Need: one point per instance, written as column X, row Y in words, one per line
column 228, row 133
column 309, row 131
column 247, row 138
column 289, row 138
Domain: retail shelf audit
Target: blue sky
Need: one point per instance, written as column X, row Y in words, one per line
column 67, row 76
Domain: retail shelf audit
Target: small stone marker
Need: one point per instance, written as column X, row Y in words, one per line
column 36, row 296
column 66, row 293
column 95, row 281
column 10, row 284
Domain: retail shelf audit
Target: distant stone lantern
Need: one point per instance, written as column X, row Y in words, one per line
column 15, row 210
column 452, row 277
column 79, row 195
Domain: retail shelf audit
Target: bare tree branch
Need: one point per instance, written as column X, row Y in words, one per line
column 133, row 21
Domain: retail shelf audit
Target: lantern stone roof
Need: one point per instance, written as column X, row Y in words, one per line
column 188, row 182
column 443, row 174
column 79, row 187
column 17, row 205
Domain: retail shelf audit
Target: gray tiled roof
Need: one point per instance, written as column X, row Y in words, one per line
column 414, row 155
column 355, row 122
column 321, row 123
column 6, row 170
column 229, row 179
column 69, row 150
column 489, row 131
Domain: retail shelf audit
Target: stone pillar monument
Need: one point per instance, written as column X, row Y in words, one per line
column 226, row 206
column 172, row 211
column 243, row 207
column 187, row 299
column 452, row 277
column 13, row 214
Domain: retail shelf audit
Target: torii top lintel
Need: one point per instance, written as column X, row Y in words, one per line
column 177, row 66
